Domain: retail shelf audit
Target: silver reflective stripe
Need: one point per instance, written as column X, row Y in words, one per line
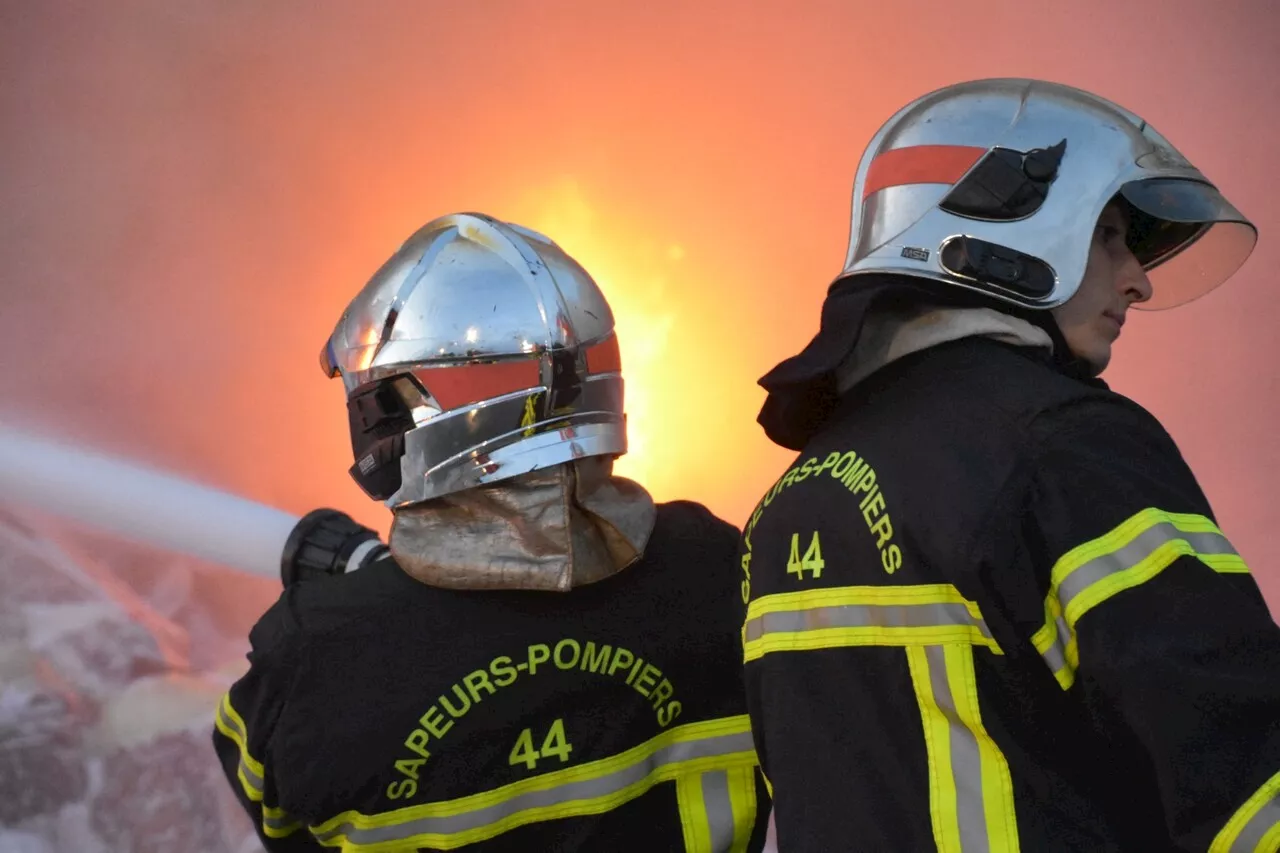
column 1056, row 654
column 567, row 792
column 1251, row 835
column 966, row 760
column 231, row 723
column 715, row 797
column 282, row 823
column 1112, row 563
column 1135, row 552
column 864, row 616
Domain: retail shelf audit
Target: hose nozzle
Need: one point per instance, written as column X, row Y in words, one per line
column 327, row 542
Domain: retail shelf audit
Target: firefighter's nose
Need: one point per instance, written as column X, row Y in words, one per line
column 1132, row 279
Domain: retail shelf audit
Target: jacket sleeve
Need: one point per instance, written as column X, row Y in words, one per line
column 1153, row 620
column 245, row 725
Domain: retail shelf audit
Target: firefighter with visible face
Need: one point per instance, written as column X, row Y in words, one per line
column 546, row 660
column 988, row 607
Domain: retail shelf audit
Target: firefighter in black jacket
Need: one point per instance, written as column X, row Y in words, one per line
column 988, row 607
column 546, row 660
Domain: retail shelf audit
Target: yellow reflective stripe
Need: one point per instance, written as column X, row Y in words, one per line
column 742, row 799
column 276, row 822
column 1255, row 828
column 1128, row 556
column 693, row 815
column 717, row 810
column 250, row 770
column 970, row 787
column 924, row 614
column 592, row 788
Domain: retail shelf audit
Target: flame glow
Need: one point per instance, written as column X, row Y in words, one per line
column 634, row 275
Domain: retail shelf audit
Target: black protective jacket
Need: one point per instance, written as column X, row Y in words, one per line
column 383, row 714
column 989, row 609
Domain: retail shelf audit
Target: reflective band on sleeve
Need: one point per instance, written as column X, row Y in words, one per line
column 863, row 616
column 1132, row 554
column 250, row 770
column 277, row 823
column 593, row 788
column 1256, row 827
column 717, row 810
column 970, row 787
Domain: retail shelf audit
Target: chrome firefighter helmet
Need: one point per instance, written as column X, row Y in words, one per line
column 478, row 352
column 996, row 186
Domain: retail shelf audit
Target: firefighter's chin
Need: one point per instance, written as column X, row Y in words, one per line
column 553, row 530
column 1092, row 342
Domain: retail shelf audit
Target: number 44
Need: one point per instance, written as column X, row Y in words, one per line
column 553, row 744
column 811, row 562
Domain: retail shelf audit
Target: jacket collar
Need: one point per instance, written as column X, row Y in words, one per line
column 803, row 389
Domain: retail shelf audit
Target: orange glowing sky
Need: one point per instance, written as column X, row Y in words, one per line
column 195, row 189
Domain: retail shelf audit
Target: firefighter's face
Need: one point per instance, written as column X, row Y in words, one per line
column 1113, row 280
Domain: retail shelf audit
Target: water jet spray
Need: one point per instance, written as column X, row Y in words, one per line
column 149, row 506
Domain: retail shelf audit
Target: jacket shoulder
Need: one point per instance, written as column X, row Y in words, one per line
column 1104, row 408
column 1048, row 404
column 977, row 383
column 327, row 604
column 691, row 521
column 1110, row 432
column 1014, row 373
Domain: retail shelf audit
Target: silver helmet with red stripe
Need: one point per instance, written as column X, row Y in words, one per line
column 478, row 352
column 996, row 186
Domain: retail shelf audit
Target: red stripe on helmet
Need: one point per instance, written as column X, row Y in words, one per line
column 920, row 164
column 464, row 384
column 604, row 357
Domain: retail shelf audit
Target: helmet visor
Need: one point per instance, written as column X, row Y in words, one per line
column 1187, row 237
